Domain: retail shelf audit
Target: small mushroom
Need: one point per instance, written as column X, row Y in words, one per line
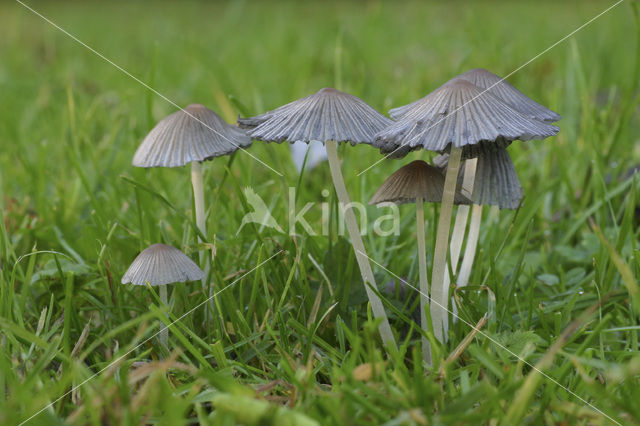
column 460, row 118
column 331, row 117
column 191, row 135
column 161, row 265
column 417, row 182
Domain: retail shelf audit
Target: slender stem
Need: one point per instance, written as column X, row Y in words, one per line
column 462, row 216
column 358, row 246
column 198, row 199
column 439, row 286
column 164, row 333
column 457, row 237
column 472, row 243
column 424, row 282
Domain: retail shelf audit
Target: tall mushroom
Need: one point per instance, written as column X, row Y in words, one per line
column 459, row 118
column 331, row 117
column 517, row 100
column 161, row 265
column 191, row 135
column 417, row 182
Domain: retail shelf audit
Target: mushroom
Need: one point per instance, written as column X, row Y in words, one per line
column 191, row 135
column 161, row 265
column 459, row 118
column 331, row 117
column 505, row 92
column 417, row 182
column 495, row 183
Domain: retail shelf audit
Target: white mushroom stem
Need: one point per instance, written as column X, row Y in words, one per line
column 358, row 246
column 472, row 244
column 198, row 197
column 424, row 282
column 462, row 215
column 439, row 284
column 198, row 200
column 164, row 331
column 457, row 237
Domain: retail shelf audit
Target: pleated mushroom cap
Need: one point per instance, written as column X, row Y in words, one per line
column 496, row 182
column 459, row 114
column 195, row 134
column 328, row 115
column 161, row 264
column 508, row 94
column 416, row 180
column 500, row 89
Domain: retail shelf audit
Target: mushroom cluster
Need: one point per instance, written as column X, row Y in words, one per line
column 472, row 118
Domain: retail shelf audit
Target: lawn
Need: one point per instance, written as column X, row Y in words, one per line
column 289, row 338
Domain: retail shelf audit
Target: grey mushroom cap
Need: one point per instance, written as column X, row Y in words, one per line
column 500, row 89
column 161, row 264
column 328, row 115
column 193, row 134
column 508, row 94
column 459, row 114
column 496, row 182
column 417, row 179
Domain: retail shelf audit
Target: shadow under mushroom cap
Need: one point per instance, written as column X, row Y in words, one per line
column 161, row 264
column 328, row 115
column 195, row 134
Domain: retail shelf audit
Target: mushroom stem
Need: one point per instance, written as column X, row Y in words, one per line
column 457, row 237
column 164, row 332
column 358, row 246
column 439, row 284
column 198, row 200
column 424, row 282
column 462, row 216
column 472, row 244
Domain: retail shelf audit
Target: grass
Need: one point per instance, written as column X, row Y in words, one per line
column 293, row 341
